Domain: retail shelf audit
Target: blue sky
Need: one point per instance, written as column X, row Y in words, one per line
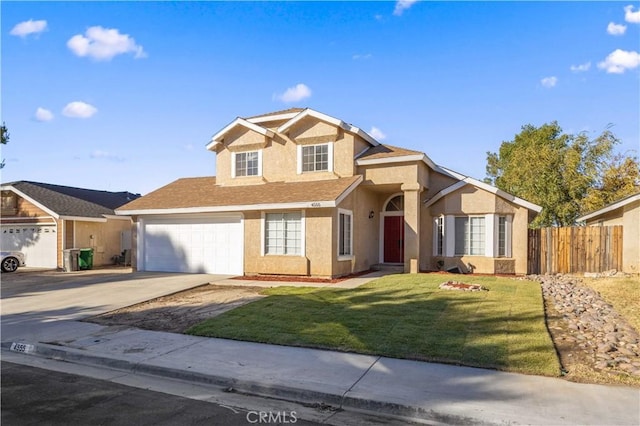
column 125, row 95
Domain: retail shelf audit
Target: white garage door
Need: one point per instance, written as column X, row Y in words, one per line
column 211, row 245
column 37, row 242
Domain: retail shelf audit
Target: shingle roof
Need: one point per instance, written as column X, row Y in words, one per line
column 202, row 192
column 284, row 111
column 385, row 151
column 71, row 201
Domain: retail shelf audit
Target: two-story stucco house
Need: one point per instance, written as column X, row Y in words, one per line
column 302, row 193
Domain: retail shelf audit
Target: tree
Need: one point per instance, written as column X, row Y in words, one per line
column 567, row 175
column 4, row 139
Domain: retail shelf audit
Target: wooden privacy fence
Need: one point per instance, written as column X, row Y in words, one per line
column 575, row 249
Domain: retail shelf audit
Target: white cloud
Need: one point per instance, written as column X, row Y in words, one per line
column 25, row 28
column 362, row 56
column 377, row 133
column 43, row 114
column 402, row 5
column 549, row 81
column 616, row 29
column 105, row 155
column 294, row 94
column 102, row 44
column 630, row 15
column 79, row 109
column 581, row 68
column 619, row 61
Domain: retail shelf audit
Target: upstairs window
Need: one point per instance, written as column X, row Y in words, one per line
column 246, row 164
column 315, row 158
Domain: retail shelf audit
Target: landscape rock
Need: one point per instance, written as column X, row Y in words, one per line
column 610, row 341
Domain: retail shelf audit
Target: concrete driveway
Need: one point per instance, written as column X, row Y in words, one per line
column 32, row 300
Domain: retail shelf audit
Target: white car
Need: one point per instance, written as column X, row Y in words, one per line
column 11, row 260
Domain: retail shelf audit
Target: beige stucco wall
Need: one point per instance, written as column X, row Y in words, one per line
column 365, row 235
column 280, row 156
column 386, row 174
column 317, row 260
column 103, row 238
column 631, row 238
column 470, row 200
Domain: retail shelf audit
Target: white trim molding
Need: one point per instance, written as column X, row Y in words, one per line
column 300, row 148
column 606, row 209
column 218, row 137
column 350, row 255
column 308, row 112
column 31, row 200
column 233, row 163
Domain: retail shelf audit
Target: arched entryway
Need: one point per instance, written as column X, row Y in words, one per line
column 392, row 250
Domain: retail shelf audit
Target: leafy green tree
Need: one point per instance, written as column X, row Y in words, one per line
column 4, row 139
column 566, row 174
column 620, row 179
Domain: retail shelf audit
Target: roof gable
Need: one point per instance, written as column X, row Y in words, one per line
column 610, row 207
column 466, row 180
column 218, row 137
column 62, row 200
column 308, row 112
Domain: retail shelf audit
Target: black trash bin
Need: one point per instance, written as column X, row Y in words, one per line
column 85, row 259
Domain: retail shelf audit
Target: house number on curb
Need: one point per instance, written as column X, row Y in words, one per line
column 22, row 347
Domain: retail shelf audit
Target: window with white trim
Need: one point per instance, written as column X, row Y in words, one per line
column 345, row 233
column 246, row 164
column 283, row 233
column 438, row 248
column 470, row 236
column 316, row 158
column 502, row 236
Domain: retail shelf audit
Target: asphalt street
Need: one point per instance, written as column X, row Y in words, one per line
column 33, row 396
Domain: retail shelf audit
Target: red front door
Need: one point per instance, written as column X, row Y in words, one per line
column 394, row 239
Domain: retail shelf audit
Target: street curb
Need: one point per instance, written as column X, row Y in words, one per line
column 286, row 393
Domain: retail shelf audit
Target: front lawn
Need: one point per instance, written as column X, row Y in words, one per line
column 405, row 316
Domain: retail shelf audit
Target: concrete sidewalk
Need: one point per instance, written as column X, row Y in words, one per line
column 434, row 393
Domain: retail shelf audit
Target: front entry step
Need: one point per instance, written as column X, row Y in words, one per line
column 391, row 267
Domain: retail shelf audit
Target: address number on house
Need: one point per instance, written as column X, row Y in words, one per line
column 22, row 347
column 316, row 204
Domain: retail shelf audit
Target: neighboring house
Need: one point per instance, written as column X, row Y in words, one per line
column 625, row 212
column 41, row 220
column 303, row 193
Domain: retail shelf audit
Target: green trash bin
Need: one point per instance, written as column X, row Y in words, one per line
column 85, row 258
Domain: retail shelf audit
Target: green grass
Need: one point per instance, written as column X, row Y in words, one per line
column 404, row 316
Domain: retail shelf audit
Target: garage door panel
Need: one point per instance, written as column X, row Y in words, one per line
column 212, row 245
column 37, row 242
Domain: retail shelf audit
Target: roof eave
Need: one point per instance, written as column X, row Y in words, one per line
column 31, row 200
column 218, row 137
column 308, row 112
column 609, row 208
column 485, row 186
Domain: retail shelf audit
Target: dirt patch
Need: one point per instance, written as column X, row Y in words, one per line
column 177, row 312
